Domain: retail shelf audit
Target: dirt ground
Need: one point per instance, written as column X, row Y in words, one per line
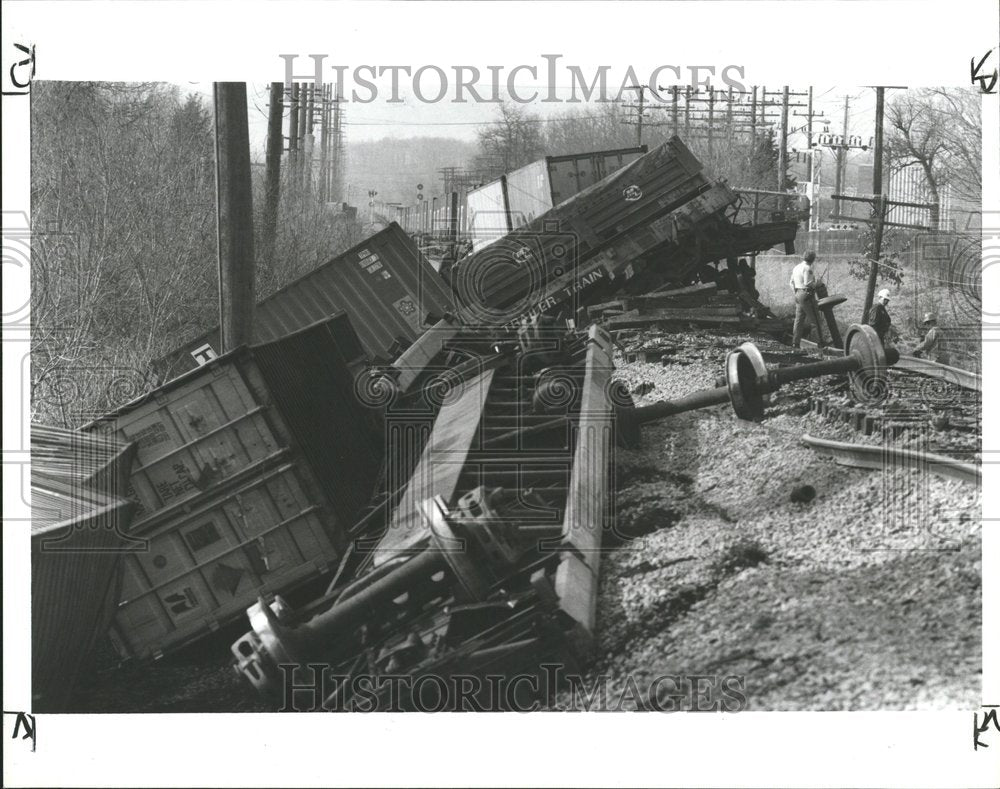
column 867, row 596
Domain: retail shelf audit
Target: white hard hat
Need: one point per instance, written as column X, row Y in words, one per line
column 884, row 294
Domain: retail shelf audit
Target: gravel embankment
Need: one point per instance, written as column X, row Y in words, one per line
column 867, row 596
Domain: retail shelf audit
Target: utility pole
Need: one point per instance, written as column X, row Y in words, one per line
column 729, row 116
column 880, row 203
column 674, row 89
column 272, row 176
column 303, row 102
column 324, row 142
column 336, row 154
column 841, row 160
column 642, row 105
column 687, row 112
column 641, row 108
column 234, row 212
column 812, row 157
column 753, row 117
column 293, row 127
column 310, row 138
column 783, row 150
column 711, row 118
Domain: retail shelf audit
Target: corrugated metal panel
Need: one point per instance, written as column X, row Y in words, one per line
column 487, row 211
column 529, row 194
column 78, row 535
column 385, row 286
column 249, row 469
column 97, row 463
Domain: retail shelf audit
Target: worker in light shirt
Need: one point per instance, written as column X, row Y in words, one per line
column 803, row 284
column 929, row 344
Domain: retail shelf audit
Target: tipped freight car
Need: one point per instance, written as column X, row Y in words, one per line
column 249, row 470
column 384, row 286
column 518, row 197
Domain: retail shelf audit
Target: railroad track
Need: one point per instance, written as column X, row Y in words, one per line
column 945, row 415
column 966, row 379
column 933, row 409
column 879, row 457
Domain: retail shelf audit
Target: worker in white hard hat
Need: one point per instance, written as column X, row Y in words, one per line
column 928, row 343
column 878, row 316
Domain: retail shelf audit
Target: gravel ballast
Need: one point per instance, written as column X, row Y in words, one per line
column 862, row 593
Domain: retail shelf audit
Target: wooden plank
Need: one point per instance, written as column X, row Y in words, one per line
column 636, row 319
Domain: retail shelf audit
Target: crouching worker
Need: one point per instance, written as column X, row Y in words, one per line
column 929, row 344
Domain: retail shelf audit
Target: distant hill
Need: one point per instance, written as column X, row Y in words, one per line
column 395, row 167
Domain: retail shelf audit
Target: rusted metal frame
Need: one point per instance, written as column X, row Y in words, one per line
column 454, row 428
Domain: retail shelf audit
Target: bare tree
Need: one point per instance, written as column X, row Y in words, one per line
column 123, row 239
column 939, row 130
column 514, row 139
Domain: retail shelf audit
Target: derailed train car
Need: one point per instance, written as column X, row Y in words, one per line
column 248, row 471
column 383, row 289
column 660, row 215
column 486, row 566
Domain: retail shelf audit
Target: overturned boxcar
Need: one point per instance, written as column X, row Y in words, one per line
column 384, row 287
column 248, row 471
column 661, row 214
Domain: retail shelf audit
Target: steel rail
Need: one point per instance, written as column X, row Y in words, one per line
column 874, row 456
column 953, row 375
column 912, row 364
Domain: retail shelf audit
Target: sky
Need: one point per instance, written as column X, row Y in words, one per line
column 411, row 117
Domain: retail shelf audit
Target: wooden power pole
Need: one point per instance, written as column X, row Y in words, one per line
column 272, row 177
column 301, row 159
column 293, row 125
column 234, row 207
column 880, row 203
column 638, row 125
column 841, row 160
column 783, row 148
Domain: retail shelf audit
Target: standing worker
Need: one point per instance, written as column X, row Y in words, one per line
column 878, row 316
column 803, row 284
